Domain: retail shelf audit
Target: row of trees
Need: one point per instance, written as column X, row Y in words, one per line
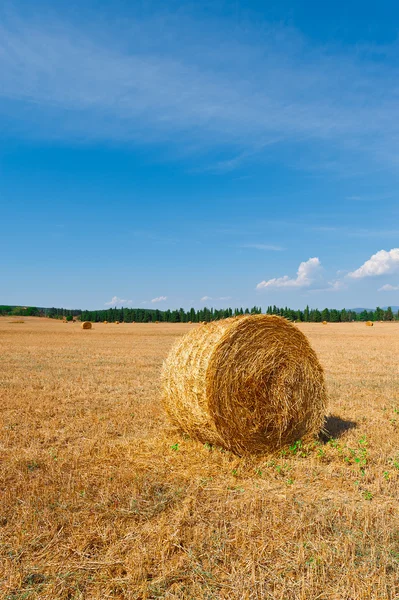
column 34, row 311
column 143, row 315
column 332, row 315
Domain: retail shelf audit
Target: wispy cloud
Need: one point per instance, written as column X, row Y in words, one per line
column 307, row 274
column 115, row 301
column 332, row 286
column 380, row 263
column 145, row 84
column 220, row 298
column 388, row 288
column 271, row 247
column 159, row 299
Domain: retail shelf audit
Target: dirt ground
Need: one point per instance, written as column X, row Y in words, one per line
column 101, row 498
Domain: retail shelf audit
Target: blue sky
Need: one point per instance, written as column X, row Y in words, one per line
column 226, row 153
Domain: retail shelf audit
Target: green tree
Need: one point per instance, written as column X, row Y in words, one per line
column 325, row 314
column 388, row 316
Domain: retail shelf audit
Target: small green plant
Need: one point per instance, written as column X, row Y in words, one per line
column 53, row 454
column 386, row 475
column 236, row 489
column 333, row 443
column 175, row 447
column 32, row 466
column 357, row 456
column 367, row 495
column 297, row 448
column 283, row 469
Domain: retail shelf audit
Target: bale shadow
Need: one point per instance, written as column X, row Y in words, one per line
column 334, row 427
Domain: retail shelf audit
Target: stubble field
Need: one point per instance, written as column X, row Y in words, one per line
column 101, row 498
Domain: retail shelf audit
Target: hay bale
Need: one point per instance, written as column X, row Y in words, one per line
column 105, row 322
column 324, row 322
column 247, row 384
column 369, row 323
column 116, row 322
column 86, row 325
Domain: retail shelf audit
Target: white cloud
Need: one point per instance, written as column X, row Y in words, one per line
column 388, row 288
column 115, row 301
column 205, row 298
column 380, row 263
column 306, row 275
column 263, row 247
column 159, row 299
column 336, row 286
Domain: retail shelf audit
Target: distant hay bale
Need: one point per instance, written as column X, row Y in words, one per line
column 116, row 322
column 324, row 322
column 189, row 322
column 105, row 322
column 247, row 384
column 86, row 325
column 369, row 323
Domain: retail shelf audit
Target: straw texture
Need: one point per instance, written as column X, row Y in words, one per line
column 249, row 384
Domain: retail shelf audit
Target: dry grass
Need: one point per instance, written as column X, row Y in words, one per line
column 248, row 384
column 101, row 499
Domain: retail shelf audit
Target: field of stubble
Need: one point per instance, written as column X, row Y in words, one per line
column 101, row 498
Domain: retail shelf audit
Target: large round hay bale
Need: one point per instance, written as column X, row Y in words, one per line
column 369, row 323
column 86, row 325
column 248, row 384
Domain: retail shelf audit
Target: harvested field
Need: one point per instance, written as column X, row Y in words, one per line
column 102, row 498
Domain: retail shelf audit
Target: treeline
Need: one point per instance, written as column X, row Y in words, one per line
column 332, row 315
column 34, row 311
column 144, row 315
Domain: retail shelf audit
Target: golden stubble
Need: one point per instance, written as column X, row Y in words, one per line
column 102, row 498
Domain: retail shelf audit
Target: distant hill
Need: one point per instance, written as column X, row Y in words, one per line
column 359, row 310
